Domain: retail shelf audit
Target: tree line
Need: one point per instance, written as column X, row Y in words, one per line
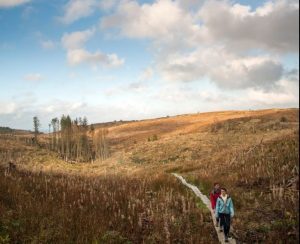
column 75, row 140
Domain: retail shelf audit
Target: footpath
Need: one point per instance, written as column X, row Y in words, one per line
column 206, row 201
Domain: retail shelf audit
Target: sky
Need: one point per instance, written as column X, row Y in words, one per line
column 128, row 59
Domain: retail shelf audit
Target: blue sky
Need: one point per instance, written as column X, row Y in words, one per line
column 127, row 59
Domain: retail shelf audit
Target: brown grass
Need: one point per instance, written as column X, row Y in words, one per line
column 45, row 208
column 253, row 153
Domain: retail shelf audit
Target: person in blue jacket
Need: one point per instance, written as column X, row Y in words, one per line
column 224, row 211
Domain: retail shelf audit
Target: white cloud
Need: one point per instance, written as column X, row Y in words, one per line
column 14, row 108
column 15, row 115
column 77, row 9
column 189, row 95
column 76, row 39
column 137, row 87
column 286, row 94
column 108, row 4
column 273, row 26
column 214, row 97
column 225, row 69
column 147, row 74
column 7, row 107
column 76, row 53
column 175, row 94
column 215, row 39
column 271, row 98
column 163, row 21
column 260, row 72
column 19, row 113
column 78, row 56
column 33, row 77
column 12, row 3
column 169, row 100
column 190, row 4
column 65, row 107
column 132, row 87
column 238, row 48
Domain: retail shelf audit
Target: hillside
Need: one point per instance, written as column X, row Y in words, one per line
column 253, row 153
column 129, row 133
column 7, row 130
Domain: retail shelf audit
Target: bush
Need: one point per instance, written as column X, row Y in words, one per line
column 283, row 119
column 153, row 138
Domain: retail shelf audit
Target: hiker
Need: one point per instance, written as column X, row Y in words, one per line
column 215, row 193
column 224, row 211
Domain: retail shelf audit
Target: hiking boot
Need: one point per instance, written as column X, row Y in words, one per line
column 226, row 238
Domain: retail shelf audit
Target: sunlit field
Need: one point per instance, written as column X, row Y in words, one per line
column 131, row 196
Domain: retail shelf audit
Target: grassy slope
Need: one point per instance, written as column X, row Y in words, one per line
column 254, row 156
column 253, row 153
column 46, row 208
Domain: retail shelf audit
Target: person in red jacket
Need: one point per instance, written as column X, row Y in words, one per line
column 215, row 193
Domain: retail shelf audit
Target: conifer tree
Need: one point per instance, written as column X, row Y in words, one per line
column 36, row 126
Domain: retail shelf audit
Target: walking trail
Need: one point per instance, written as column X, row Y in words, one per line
column 206, row 201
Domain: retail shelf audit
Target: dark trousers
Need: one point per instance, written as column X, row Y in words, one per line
column 225, row 222
column 218, row 222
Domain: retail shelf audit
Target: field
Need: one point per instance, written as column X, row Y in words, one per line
column 131, row 197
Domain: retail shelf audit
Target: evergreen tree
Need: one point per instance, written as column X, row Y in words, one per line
column 36, row 126
column 75, row 140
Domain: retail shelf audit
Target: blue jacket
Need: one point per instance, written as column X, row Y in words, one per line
column 224, row 207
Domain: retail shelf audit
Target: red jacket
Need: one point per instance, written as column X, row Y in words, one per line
column 213, row 197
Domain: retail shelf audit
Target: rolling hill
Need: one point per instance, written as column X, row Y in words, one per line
column 253, row 153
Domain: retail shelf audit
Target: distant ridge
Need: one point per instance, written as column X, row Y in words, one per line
column 5, row 130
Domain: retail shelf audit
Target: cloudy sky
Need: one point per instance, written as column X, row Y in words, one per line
column 129, row 59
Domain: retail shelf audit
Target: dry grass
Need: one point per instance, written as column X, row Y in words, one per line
column 253, row 153
column 263, row 182
column 46, row 208
column 124, row 135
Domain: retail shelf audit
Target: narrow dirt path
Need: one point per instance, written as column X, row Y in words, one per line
column 206, row 201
